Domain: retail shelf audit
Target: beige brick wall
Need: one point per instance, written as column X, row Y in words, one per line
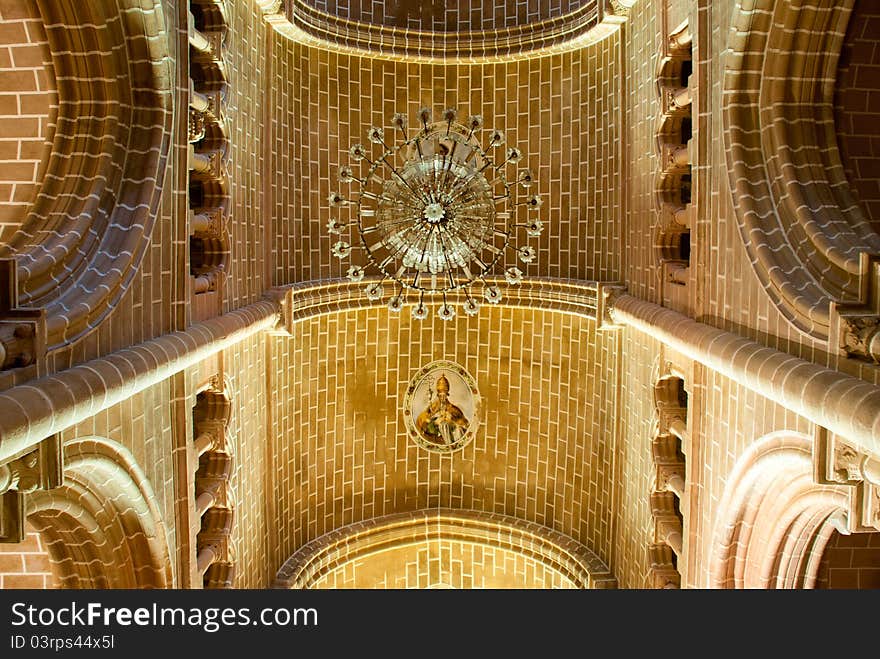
column 634, row 467
column 143, row 424
column 640, row 161
column 26, row 564
column 251, row 483
column 728, row 418
column 857, row 106
column 28, row 105
column 249, row 220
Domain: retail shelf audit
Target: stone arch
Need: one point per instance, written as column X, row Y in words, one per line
column 360, row 543
column 102, row 526
column 88, row 228
column 805, row 234
column 775, row 520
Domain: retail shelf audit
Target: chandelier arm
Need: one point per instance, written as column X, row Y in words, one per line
column 401, row 203
column 402, row 180
column 397, row 251
column 449, row 165
column 448, row 264
column 459, row 186
column 389, row 223
column 421, row 261
column 426, row 238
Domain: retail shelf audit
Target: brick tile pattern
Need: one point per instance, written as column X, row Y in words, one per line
column 857, row 106
column 634, row 466
column 143, row 425
column 431, row 32
column 802, row 229
column 561, row 110
column 249, row 222
column 26, row 564
column 445, row 563
column 245, row 367
column 640, row 159
column 28, row 108
column 340, row 449
column 850, row 561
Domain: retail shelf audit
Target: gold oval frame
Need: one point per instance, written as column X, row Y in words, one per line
column 467, row 381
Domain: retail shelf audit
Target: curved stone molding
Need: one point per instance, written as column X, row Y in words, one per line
column 775, row 519
column 446, row 15
column 576, row 564
column 571, row 296
column 805, row 234
column 585, row 25
column 91, row 221
column 102, row 526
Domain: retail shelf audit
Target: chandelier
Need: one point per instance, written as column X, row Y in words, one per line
column 436, row 214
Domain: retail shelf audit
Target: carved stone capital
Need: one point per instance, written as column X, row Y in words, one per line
column 608, row 294
column 22, row 331
column 662, row 572
column 860, row 336
column 38, row 469
column 838, row 462
column 620, row 7
column 196, row 127
column 208, row 223
column 41, row 468
column 845, row 463
column 221, row 574
column 668, row 474
column 283, row 296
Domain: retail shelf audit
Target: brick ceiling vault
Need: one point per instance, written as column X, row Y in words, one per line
column 77, row 253
column 808, row 239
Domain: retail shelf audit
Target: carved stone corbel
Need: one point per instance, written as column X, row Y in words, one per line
column 220, row 574
column 662, row 573
column 835, row 461
column 607, row 295
column 196, row 126
column 22, row 331
column 860, row 337
column 41, row 468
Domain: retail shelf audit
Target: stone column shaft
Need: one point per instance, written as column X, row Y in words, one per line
column 32, row 411
column 841, row 403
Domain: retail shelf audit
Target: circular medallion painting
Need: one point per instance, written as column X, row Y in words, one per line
column 442, row 407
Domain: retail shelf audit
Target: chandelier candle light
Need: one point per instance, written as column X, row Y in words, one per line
column 436, row 213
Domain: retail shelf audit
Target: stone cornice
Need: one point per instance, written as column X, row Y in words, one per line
column 304, row 24
column 571, row 296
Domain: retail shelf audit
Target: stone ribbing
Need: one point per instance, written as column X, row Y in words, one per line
column 495, row 41
column 356, row 541
column 569, row 296
column 841, row 403
column 802, row 228
column 584, row 26
column 91, row 221
column 458, row 16
column 31, row 412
